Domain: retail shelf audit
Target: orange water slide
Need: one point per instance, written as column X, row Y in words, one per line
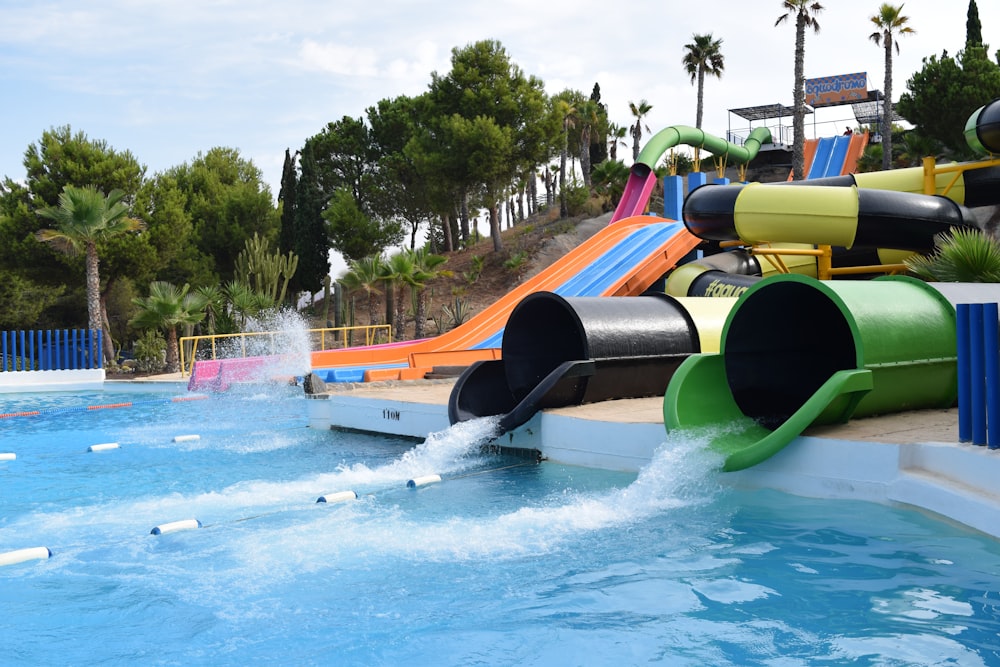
column 464, row 337
column 859, row 141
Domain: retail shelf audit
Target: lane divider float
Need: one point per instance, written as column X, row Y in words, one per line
column 23, row 555
column 175, row 526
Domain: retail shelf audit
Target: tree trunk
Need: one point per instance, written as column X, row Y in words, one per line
column 399, row 318
column 701, row 96
column 799, row 100
column 173, row 353
column 585, row 154
column 420, row 317
column 886, row 128
column 449, row 242
column 464, row 216
column 108, row 342
column 563, row 208
column 495, row 228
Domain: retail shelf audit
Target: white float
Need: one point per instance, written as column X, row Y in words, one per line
column 338, row 497
column 103, row 447
column 22, row 555
column 174, row 526
column 187, row 438
column 423, row 481
column 7, row 456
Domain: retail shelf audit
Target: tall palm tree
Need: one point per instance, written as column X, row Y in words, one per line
column 83, row 218
column 616, row 138
column 589, row 117
column 804, row 12
column 567, row 115
column 366, row 275
column 888, row 21
column 639, row 112
column 166, row 308
column 703, row 56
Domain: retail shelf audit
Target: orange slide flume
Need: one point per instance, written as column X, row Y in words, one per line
column 660, row 244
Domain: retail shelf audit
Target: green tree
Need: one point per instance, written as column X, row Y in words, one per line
column 365, row 274
column 639, row 113
column 804, row 12
column 286, row 198
column 945, row 92
column 23, row 301
column 166, row 308
column 399, row 275
column 352, row 232
column 567, row 115
column 84, row 217
column 703, row 56
column 426, row 268
column 589, row 119
column 610, row 178
column 507, row 111
column 599, row 144
column 616, row 137
column 228, row 202
column 973, row 26
column 888, row 21
column 312, row 240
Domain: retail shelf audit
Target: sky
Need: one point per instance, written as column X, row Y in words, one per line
column 169, row 80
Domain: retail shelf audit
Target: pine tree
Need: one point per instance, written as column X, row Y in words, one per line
column 286, row 236
column 973, row 27
column 311, row 241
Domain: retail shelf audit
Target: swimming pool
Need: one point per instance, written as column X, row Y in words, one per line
column 504, row 562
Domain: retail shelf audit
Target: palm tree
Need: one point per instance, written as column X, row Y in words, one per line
column 567, row 114
column 83, row 218
column 703, row 56
column 888, row 21
column 398, row 273
column 616, row 138
column 426, row 269
column 639, row 112
column 366, row 275
column 166, row 308
column 804, row 12
column 589, row 115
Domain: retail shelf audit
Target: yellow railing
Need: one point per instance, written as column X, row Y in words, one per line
column 330, row 338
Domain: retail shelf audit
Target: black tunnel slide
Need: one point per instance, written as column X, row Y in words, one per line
column 560, row 351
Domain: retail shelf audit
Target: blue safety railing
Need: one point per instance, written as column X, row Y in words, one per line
column 50, row 350
column 978, row 340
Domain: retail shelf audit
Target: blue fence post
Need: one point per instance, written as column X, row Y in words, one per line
column 991, row 367
column 964, row 340
column 978, row 380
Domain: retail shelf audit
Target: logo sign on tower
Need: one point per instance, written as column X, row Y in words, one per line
column 841, row 89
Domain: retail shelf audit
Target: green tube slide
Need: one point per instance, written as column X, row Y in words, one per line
column 676, row 135
column 796, row 351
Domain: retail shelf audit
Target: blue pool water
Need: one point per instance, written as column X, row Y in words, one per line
column 505, row 562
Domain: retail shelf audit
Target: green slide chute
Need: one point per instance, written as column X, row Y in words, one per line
column 676, row 135
column 797, row 351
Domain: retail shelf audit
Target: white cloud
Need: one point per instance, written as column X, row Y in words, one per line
column 338, row 59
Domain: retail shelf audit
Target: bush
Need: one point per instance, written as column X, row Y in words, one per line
column 150, row 352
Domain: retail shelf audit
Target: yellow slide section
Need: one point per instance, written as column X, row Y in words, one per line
column 457, row 342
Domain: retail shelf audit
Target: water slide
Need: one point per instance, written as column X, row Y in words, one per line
column 833, row 156
column 622, row 259
column 642, row 178
column 561, row 351
column 851, row 348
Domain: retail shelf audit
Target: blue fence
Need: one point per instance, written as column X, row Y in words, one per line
column 51, row 350
column 978, row 341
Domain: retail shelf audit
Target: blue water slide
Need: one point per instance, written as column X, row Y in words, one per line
column 821, row 159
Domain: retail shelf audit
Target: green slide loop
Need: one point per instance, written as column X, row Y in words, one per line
column 676, row 135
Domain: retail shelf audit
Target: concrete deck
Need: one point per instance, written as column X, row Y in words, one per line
column 912, row 458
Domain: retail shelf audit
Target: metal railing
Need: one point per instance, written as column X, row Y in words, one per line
column 259, row 343
column 50, row 350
